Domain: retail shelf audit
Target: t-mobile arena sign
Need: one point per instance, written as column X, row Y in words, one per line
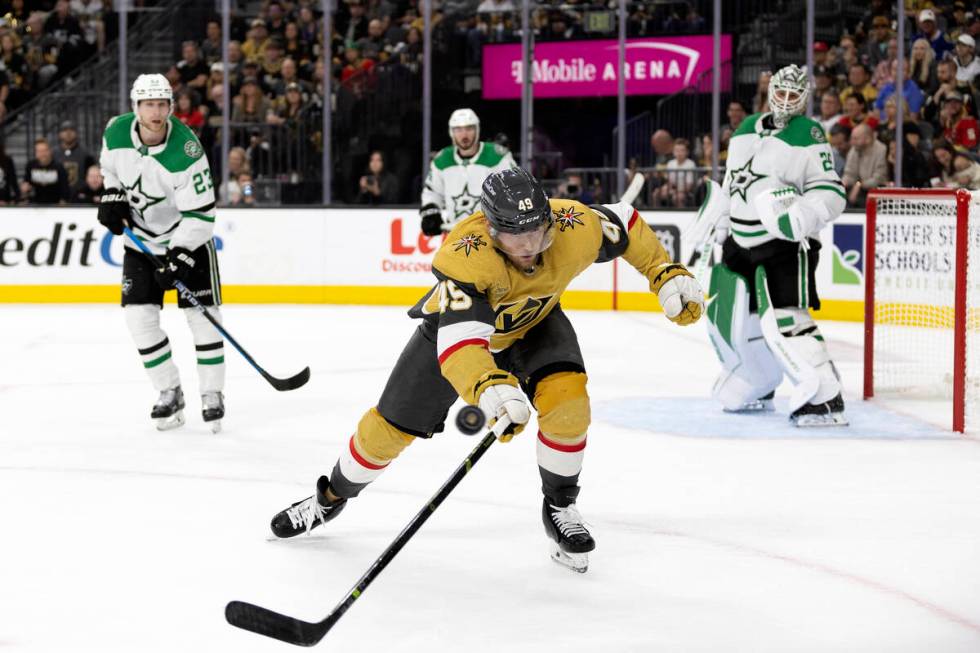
column 654, row 66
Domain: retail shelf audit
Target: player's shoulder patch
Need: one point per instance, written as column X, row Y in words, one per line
column 467, row 254
column 568, row 214
column 117, row 132
column 183, row 149
column 445, row 158
column 802, row 132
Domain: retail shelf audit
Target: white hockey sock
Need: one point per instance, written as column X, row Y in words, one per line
column 561, row 458
column 210, row 349
column 143, row 321
column 355, row 471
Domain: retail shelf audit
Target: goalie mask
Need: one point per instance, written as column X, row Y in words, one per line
column 151, row 87
column 789, row 89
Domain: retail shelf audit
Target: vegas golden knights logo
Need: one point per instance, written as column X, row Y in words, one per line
column 511, row 317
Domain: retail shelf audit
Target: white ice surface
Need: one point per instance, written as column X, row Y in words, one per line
column 715, row 533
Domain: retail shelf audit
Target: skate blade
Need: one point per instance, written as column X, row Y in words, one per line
column 832, row 419
column 577, row 562
column 169, row 423
column 760, row 406
column 214, row 425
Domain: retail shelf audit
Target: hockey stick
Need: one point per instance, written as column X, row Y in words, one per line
column 636, row 184
column 282, row 385
column 303, row 633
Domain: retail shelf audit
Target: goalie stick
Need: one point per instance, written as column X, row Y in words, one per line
column 293, row 382
column 304, row 633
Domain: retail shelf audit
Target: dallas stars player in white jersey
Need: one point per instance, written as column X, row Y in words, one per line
column 159, row 184
column 453, row 186
column 780, row 189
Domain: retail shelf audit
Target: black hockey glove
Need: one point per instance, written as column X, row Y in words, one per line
column 114, row 210
column 178, row 266
column 431, row 220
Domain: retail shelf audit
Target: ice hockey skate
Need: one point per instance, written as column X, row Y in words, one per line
column 828, row 413
column 168, row 411
column 572, row 541
column 213, row 409
column 762, row 404
column 303, row 516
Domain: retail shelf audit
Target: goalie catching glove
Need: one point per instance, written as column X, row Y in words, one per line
column 788, row 215
column 114, row 210
column 679, row 293
column 504, row 399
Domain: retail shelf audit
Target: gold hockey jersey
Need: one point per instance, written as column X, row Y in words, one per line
column 483, row 303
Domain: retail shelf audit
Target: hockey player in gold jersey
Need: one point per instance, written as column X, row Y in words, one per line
column 494, row 333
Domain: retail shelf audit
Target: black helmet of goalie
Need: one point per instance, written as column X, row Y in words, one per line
column 514, row 202
column 789, row 89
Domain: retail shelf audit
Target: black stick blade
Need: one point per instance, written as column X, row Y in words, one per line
column 272, row 624
column 293, row 382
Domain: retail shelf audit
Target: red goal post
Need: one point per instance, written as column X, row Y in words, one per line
column 916, row 312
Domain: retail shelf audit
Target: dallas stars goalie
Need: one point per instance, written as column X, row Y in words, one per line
column 159, row 184
column 780, row 189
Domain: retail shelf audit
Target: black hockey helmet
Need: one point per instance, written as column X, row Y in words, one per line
column 514, row 202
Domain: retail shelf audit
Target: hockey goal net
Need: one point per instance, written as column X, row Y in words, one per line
column 921, row 294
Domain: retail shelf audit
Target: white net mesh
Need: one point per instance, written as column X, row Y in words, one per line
column 914, row 308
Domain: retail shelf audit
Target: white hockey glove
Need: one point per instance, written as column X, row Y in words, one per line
column 681, row 296
column 787, row 215
column 501, row 400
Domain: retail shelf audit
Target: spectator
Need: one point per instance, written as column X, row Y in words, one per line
column 937, row 39
column 704, row 159
column 378, row 186
column 915, row 168
column 760, row 102
column 188, row 112
column 681, row 176
column 246, row 186
column 41, row 51
column 373, row 44
column 840, row 145
column 663, row 147
column 4, row 92
column 352, row 25
column 74, row 158
column 21, row 77
column 289, row 108
column 860, row 82
column 910, row 91
column 958, row 127
column 237, row 164
column 967, row 172
column 288, row 74
column 271, row 64
column 923, row 69
column 45, row 180
column 356, row 65
column 89, row 14
column 295, row 47
column 941, row 165
column 866, row 166
column 258, row 153
column 275, row 20
column 830, row 110
column 856, row 112
column 9, row 190
column 884, row 71
column 967, row 65
column 946, row 84
column 192, row 69
column 573, row 188
column 959, row 23
column 876, row 48
column 67, row 32
column 846, row 54
column 211, row 45
column 824, row 81
column 887, row 128
column 253, row 49
column 251, row 105
column 736, row 114
column 235, row 59
column 308, row 27
column 821, row 59
column 90, row 189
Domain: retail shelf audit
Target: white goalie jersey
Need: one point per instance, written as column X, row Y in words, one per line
column 170, row 189
column 763, row 158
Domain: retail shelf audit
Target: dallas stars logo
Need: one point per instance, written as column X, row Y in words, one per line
column 742, row 178
column 139, row 200
column 464, row 204
column 567, row 218
column 469, row 242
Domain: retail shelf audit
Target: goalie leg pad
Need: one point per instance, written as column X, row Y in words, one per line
column 749, row 370
column 210, row 350
column 798, row 346
column 372, row 447
column 143, row 321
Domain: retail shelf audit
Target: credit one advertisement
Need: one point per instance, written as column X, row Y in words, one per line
column 654, row 66
column 343, row 256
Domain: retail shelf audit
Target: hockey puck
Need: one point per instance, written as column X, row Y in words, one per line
column 470, row 419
